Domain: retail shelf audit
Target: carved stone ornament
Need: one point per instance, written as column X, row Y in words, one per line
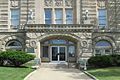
column 84, row 44
column 68, row 2
column 30, row 16
column 48, row 2
column 32, row 44
column 58, row 2
column 101, row 4
column 14, row 3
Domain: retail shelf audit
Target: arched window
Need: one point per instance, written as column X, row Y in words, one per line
column 14, row 45
column 103, row 48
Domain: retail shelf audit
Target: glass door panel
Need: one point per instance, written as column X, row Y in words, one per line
column 58, row 53
column 62, row 53
column 54, row 53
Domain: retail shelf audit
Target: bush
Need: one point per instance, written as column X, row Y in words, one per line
column 15, row 58
column 116, row 60
column 104, row 61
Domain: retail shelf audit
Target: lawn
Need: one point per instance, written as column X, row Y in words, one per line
column 112, row 73
column 15, row 73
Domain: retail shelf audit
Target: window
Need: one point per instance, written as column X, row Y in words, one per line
column 48, row 16
column 14, row 45
column 15, row 17
column 45, row 51
column 69, row 16
column 58, row 41
column 102, row 18
column 71, row 51
column 103, row 48
column 58, row 16
column 30, row 50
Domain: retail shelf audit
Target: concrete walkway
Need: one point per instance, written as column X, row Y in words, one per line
column 58, row 74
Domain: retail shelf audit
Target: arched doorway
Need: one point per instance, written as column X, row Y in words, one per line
column 58, row 49
column 13, row 45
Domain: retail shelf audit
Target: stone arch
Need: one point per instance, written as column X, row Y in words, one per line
column 12, row 38
column 64, row 36
column 106, row 38
column 67, row 37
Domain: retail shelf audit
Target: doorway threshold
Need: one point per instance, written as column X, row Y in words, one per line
column 58, row 62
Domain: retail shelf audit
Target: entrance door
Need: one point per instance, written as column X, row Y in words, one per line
column 58, row 53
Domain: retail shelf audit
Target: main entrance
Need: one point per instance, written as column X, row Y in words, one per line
column 58, row 53
column 55, row 50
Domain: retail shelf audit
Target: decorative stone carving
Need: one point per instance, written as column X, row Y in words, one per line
column 101, row 4
column 86, row 35
column 32, row 43
column 30, row 16
column 69, row 2
column 58, row 2
column 14, row 3
column 48, row 2
column 84, row 44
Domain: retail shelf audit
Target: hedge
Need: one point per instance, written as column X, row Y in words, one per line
column 104, row 61
column 15, row 58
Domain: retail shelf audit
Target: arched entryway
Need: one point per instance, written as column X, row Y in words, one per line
column 58, row 48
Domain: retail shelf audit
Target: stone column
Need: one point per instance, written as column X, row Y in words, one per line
column 38, row 51
column 78, row 51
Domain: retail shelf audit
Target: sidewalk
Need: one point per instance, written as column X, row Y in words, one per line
column 58, row 74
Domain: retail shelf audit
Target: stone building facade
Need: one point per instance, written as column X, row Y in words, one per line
column 58, row 30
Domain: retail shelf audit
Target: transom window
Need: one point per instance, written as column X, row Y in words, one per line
column 58, row 41
column 103, row 44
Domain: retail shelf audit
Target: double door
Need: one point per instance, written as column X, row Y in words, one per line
column 58, row 53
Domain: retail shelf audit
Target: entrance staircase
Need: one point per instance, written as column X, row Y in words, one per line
column 57, row 65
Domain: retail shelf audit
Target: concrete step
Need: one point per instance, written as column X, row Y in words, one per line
column 57, row 65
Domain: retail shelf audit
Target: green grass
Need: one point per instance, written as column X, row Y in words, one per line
column 112, row 73
column 15, row 73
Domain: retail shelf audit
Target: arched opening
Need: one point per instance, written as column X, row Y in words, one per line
column 103, row 47
column 58, row 49
column 13, row 45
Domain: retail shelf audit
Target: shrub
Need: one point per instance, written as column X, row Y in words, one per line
column 101, row 61
column 16, row 58
column 116, row 60
column 2, row 58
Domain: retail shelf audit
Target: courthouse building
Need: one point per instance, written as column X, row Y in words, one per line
column 60, row 30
